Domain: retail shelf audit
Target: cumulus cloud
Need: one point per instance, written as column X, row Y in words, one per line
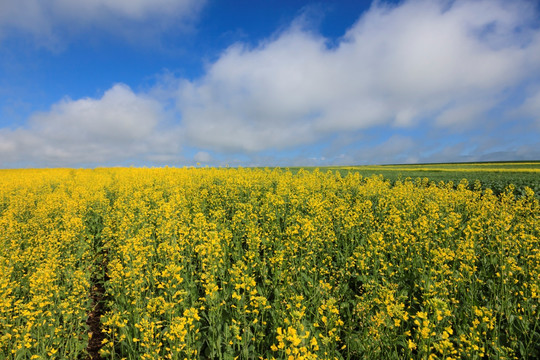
column 423, row 64
column 396, row 67
column 46, row 18
column 119, row 126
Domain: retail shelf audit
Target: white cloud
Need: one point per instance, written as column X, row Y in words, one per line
column 397, row 66
column 118, row 115
column 531, row 107
column 44, row 19
column 395, row 149
column 202, row 156
column 436, row 64
column 465, row 115
column 119, row 126
column 130, row 9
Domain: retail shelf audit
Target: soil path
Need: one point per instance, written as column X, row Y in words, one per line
column 97, row 294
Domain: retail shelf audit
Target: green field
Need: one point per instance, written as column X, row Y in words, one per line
column 493, row 175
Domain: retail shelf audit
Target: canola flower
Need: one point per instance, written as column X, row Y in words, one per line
column 46, row 261
column 266, row 264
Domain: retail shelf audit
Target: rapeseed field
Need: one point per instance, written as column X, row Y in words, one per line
column 205, row 263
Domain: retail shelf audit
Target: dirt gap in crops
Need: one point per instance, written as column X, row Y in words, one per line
column 97, row 294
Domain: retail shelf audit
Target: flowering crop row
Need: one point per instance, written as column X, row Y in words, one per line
column 263, row 264
column 47, row 254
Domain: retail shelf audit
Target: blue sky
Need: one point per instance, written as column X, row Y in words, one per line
column 267, row 83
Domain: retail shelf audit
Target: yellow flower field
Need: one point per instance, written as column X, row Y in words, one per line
column 265, row 264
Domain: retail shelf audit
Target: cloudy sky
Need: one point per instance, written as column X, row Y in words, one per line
column 177, row 82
